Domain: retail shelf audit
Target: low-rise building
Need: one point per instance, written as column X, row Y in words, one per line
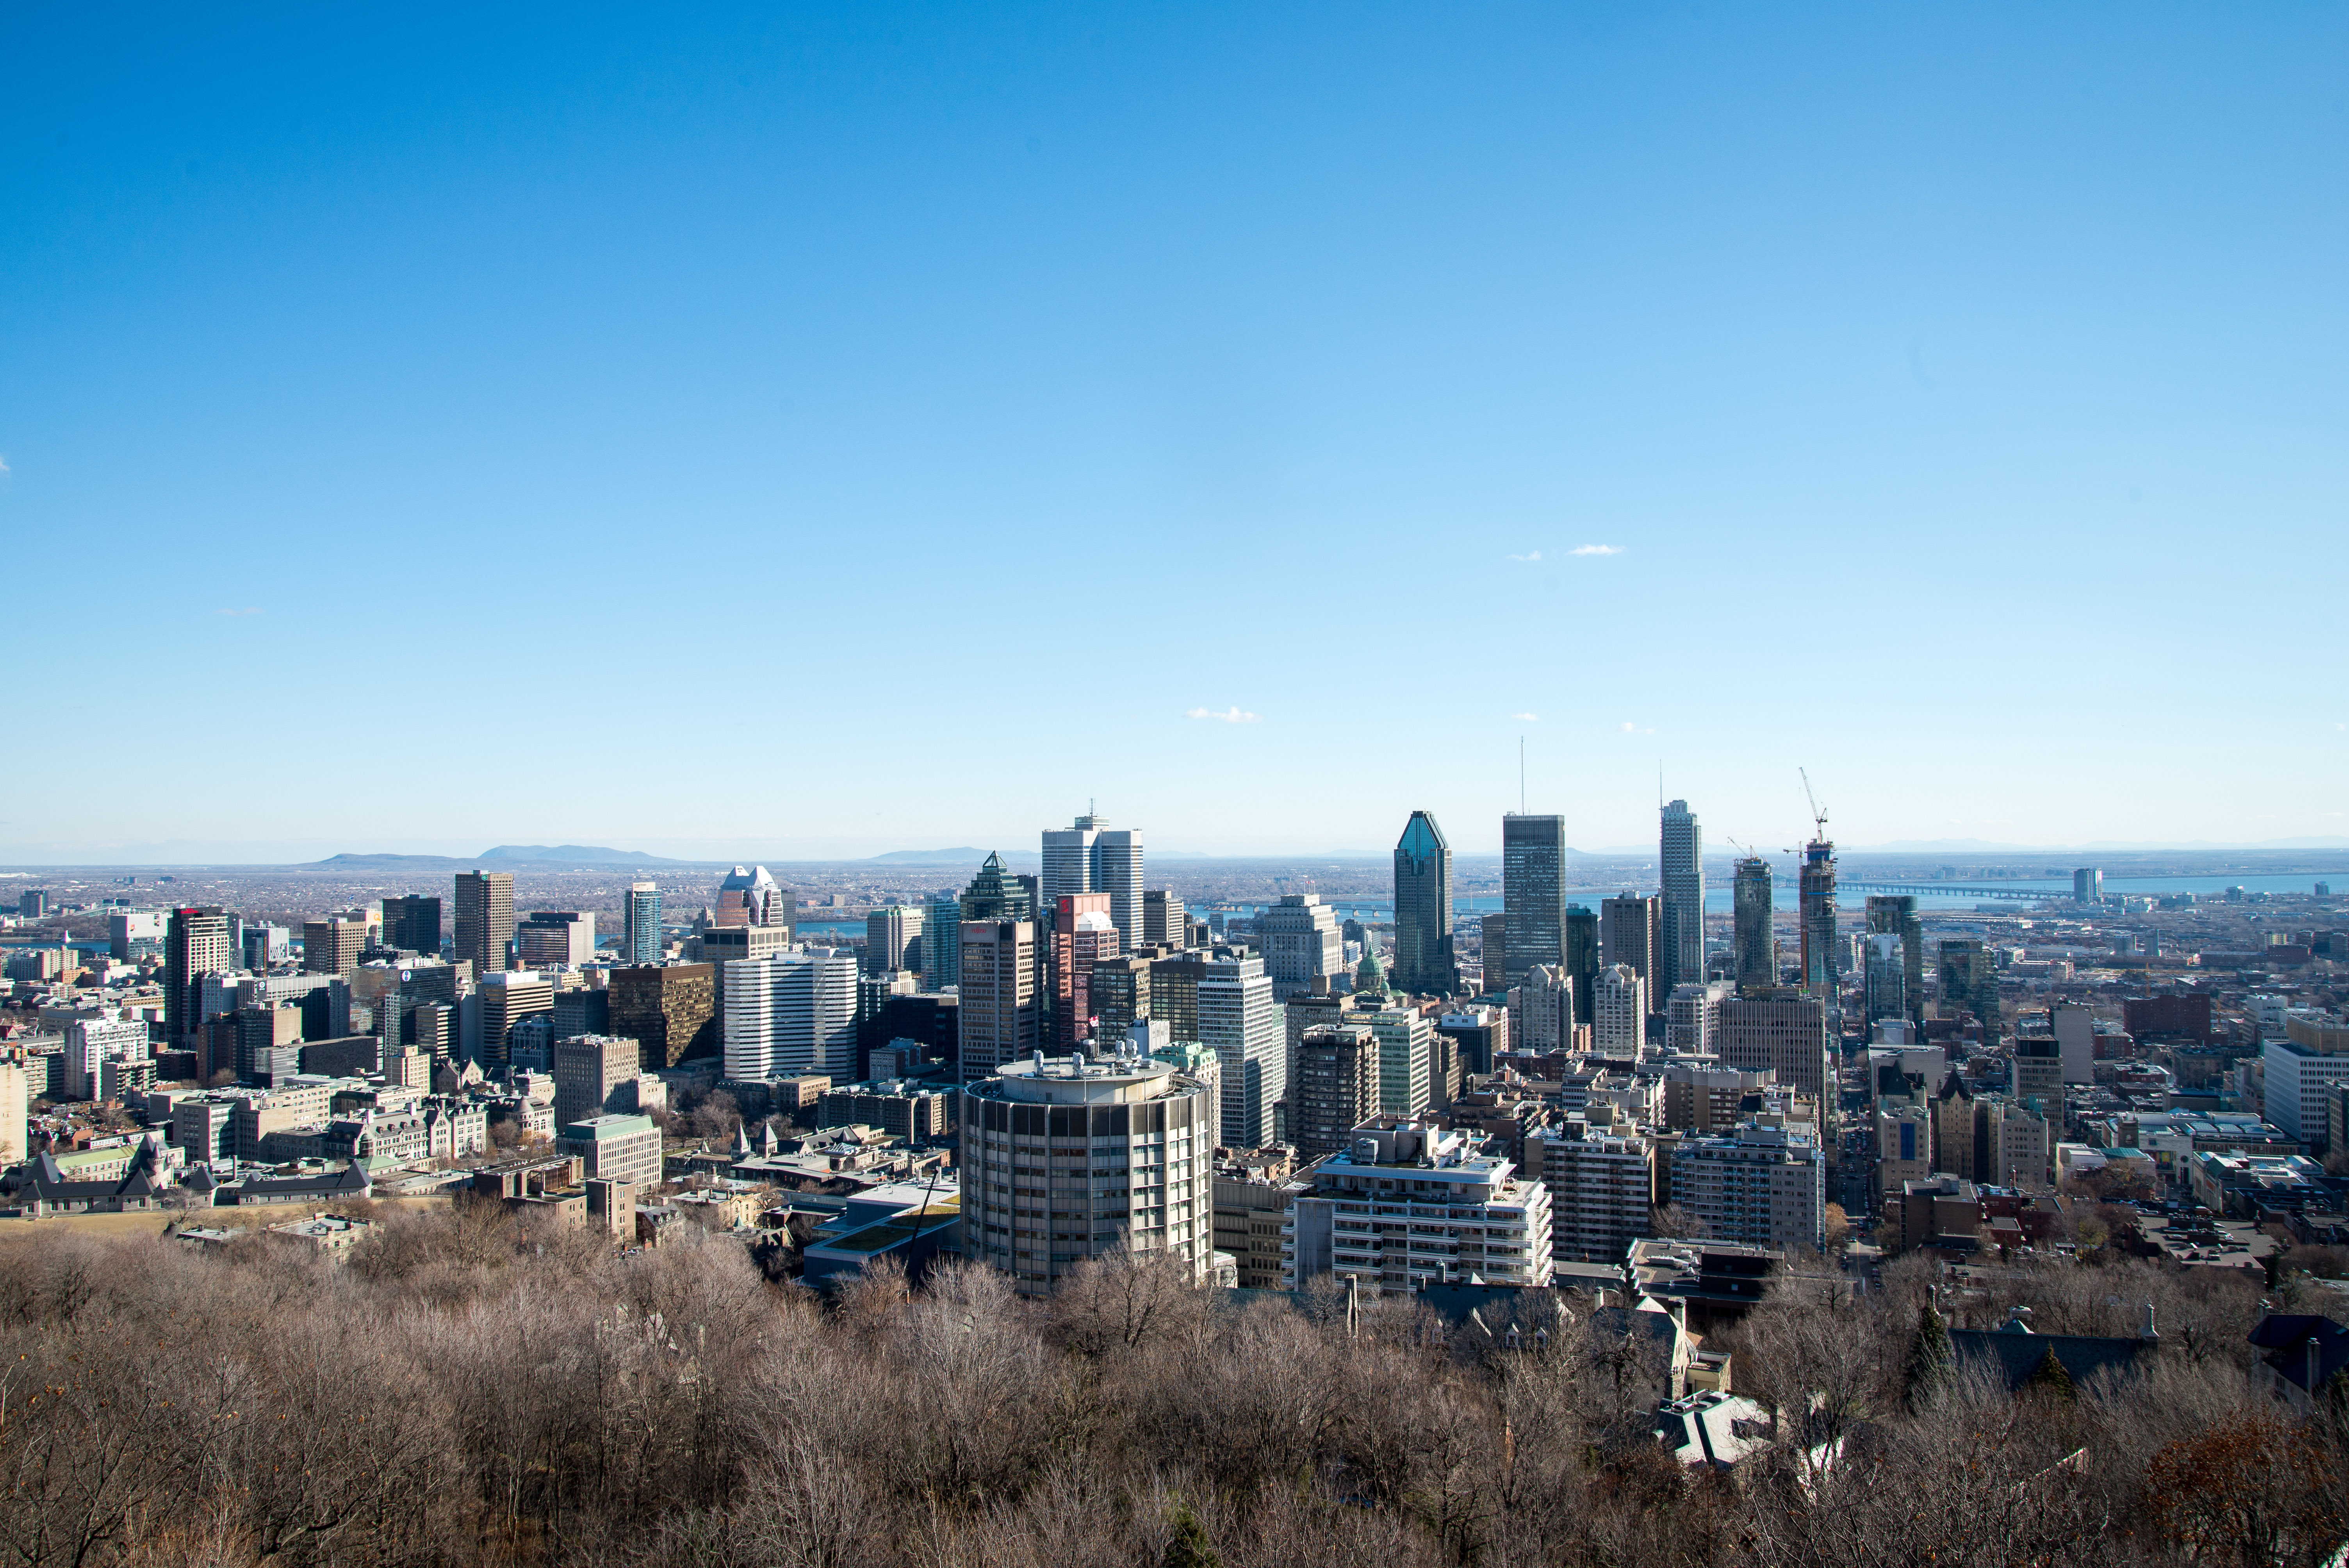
column 1252, row 1200
column 903, row 1108
column 615, row 1147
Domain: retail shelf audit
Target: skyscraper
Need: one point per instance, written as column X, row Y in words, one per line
column 1069, row 858
column 1239, row 1022
column 507, row 996
column 1886, row 978
column 1784, row 1033
column 411, row 923
column 942, row 942
column 791, row 1014
column 2088, row 885
column 1423, row 902
column 1092, row 857
column 195, row 943
column 485, row 920
column 1494, row 954
column 1299, row 938
column 993, row 894
column 1683, row 912
column 640, row 930
column 332, row 945
column 1618, row 1012
column 1337, row 1087
column 1632, row 931
column 720, row 945
column 1117, row 871
column 588, row 1071
column 1970, row 980
column 552, row 938
column 1164, row 918
column 1533, row 892
column 997, row 1015
column 1822, row 955
column 669, row 1010
column 749, row 896
column 1082, row 937
column 1582, row 959
column 889, row 932
column 1895, row 914
column 1756, row 942
column 1541, row 1009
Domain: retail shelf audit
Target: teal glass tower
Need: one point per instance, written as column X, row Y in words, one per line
column 1423, row 904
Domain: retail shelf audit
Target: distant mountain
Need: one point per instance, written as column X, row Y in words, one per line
column 535, row 857
column 957, row 857
column 576, row 855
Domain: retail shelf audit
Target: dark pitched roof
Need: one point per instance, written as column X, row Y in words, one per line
column 2285, row 1336
column 2015, row 1355
column 350, row 1181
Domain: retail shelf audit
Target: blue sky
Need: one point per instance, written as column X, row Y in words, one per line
column 832, row 430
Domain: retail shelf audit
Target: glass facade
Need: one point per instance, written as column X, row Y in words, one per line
column 1423, row 901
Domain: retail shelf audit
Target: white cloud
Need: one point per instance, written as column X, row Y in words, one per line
column 1230, row 715
column 3, row 465
column 1535, row 556
column 1528, row 717
column 1597, row 549
column 1629, row 727
column 249, row 611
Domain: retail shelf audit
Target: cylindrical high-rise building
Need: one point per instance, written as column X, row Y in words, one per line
column 1423, row 904
column 1066, row 1157
column 1756, row 944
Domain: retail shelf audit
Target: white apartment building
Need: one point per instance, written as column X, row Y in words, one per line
column 793, row 1014
column 1405, row 1205
column 1765, row 1186
column 1541, row 1009
column 1618, row 1011
column 93, row 1041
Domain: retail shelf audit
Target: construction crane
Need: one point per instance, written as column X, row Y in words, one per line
column 1818, row 818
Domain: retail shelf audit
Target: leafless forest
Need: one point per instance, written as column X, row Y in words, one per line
column 462, row 1392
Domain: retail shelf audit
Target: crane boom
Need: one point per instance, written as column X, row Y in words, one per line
column 1818, row 818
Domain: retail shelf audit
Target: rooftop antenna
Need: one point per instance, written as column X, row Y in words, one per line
column 1521, row 775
